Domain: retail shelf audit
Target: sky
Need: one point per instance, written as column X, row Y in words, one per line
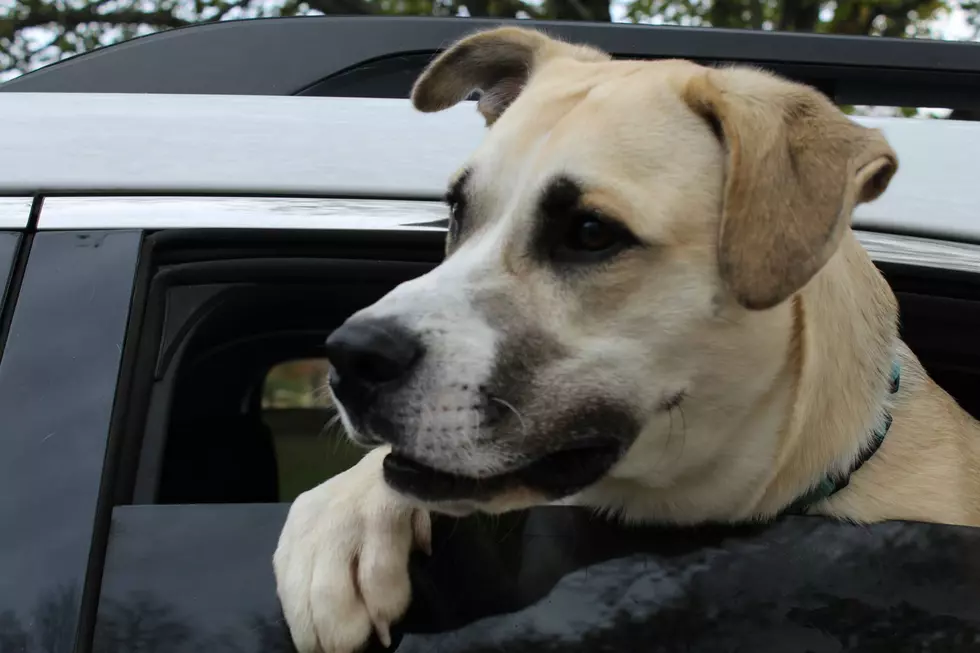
column 955, row 27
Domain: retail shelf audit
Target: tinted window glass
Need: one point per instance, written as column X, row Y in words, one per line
column 198, row 578
column 58, row 379
column 309, row 441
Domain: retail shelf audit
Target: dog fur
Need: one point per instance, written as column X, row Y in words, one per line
column 739, row 350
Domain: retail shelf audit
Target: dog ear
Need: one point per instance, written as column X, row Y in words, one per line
column 796, row 169
column 497, row 63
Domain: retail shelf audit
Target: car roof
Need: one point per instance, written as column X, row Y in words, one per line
column 370, row 148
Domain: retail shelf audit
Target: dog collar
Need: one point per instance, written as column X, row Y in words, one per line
column 832, row 483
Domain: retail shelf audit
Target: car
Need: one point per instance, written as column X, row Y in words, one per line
column 184, row 217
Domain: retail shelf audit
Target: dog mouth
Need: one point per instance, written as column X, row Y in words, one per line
column 555, row 475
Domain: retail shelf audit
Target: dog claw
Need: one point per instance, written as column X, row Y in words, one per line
column 384, row 633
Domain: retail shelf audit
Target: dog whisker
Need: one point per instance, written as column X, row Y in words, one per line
column 322, row 392
column 683, row 431
column 680, row 409
column 670, row 431
column 330, row 424
column 517, row 413
column 669, row 444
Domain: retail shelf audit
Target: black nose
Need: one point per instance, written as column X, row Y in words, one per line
column 367, row 353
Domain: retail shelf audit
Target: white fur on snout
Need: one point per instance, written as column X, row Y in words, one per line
column 440, row 410
column 341, row 564
column 442, row 424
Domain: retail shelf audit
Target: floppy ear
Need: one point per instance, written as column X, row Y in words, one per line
column 796, row 168
column 497, row 63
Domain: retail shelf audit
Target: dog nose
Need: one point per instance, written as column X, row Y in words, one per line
column 366, row 354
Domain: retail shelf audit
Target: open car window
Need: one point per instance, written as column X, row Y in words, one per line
column 306, row 432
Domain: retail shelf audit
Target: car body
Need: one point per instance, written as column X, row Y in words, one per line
column 167, row 237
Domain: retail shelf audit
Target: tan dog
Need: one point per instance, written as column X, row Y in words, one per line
column 652, row 304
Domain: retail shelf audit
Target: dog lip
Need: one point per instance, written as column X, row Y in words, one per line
column 429, row 484
column 556, row 474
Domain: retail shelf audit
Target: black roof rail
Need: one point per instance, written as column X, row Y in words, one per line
column 381, row 56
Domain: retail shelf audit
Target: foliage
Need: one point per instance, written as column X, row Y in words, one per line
column 297, row 384
column 37, row 32
column 885, row 18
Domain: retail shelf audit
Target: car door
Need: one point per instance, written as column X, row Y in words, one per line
column 182, row 488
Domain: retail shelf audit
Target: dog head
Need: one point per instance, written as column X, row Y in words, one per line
column 621, row 252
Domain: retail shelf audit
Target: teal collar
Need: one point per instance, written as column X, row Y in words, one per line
column 833, row 483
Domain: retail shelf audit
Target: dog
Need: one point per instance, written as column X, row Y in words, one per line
column 651, row 304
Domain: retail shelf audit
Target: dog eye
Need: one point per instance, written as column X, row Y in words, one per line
column 592, row 235
column 591, row 238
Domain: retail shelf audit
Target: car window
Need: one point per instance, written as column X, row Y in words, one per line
column 225, row 421
column 308, row 438
column 297, row 385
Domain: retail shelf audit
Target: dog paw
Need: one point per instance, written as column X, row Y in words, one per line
column 341, row 564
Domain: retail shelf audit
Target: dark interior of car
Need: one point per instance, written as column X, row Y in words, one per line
column 216, row 323
column 939, row 319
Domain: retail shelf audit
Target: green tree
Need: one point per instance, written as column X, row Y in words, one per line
column 882, row 18
column 37, row 32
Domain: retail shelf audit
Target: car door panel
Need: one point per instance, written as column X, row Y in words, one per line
column 193, row 577
column 556, row 579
